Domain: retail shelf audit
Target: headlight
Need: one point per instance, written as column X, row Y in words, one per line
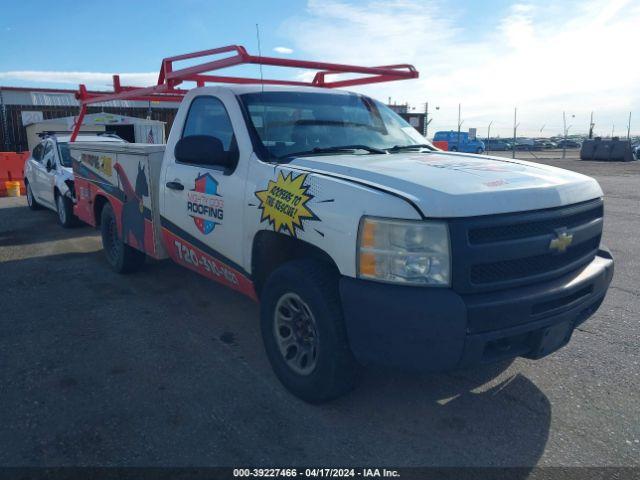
column 404, row 251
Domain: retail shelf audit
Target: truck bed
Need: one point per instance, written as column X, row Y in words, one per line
column 128, row 176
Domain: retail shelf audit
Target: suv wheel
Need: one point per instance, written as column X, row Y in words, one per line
column 31, row 200
column 303, row 331
column 121, row 257
column 64, row 207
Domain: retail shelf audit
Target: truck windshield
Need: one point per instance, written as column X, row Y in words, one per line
column 289, row 123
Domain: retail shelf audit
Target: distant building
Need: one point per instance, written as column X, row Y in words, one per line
column 416, row 120
column 402, row 108
column 20, row 107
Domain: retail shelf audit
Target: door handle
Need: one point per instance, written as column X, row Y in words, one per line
column 175, row 186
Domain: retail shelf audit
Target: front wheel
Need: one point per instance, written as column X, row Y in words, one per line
column 479, row 151
column 303, row 331
column 121, row 257
column 64, row 207
column 31, row 200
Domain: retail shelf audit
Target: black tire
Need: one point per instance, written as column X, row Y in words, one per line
column 64, row 209
column 121, row 257
column 316, row 284
column 31, row 200
column 479, row 151
column 453, row 149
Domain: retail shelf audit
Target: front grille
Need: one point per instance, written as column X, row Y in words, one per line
column 530, row 266
column 530, row 229
column 498, row 252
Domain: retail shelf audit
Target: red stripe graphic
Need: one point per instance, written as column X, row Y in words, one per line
column 190, row 256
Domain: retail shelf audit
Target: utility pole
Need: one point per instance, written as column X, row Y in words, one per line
column 515, row 129
column 566, row 132
column 564, row 144
column 591, row 125
column 459, row 125
column 613, row 128
column 488, row 136
column 427, row 120
column 629, row 128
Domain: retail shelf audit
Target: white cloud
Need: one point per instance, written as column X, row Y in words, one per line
column 283, row 50
column 541, row 57
column 90, row 79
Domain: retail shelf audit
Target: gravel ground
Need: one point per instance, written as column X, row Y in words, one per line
column 166, row 368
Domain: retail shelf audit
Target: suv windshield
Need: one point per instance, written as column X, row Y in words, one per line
column 288, row 123
column 65, row 156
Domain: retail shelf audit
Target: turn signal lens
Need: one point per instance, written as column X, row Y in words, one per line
column 368, row 264
column 368, row 234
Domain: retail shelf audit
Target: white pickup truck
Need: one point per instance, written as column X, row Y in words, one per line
column 363, row 243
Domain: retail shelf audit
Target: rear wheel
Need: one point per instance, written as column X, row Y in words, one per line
column 64, row 207
column 303, row 331
column 121, row 257
column 453, row 149
column 31, row 200
column 479, row 151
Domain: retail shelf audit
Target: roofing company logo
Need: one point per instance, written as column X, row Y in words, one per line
column 284, row 203
column 204, row 204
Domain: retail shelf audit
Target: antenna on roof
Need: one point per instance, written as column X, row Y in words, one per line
column 260, row 55
column 264, row 110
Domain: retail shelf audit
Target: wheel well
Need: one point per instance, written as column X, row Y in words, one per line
column 98, row 204
column 271, row 249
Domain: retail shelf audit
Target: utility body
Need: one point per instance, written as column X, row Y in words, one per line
column 363, row 243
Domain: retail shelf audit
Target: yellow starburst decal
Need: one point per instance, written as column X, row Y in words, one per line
column 284, row 203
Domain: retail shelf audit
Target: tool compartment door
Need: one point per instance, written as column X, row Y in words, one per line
column 127, row 176
column 134, row 207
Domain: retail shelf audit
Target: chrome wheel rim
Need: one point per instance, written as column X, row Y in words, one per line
column 296, row 333
column 61, row 212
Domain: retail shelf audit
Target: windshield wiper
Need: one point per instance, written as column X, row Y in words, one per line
column 397, row 148
column 336, row 149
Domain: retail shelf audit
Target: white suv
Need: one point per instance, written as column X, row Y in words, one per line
column 49, row 176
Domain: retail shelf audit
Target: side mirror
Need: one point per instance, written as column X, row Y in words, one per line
column 203, row 150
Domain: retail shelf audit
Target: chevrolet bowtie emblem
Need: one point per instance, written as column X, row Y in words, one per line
column 561, row 242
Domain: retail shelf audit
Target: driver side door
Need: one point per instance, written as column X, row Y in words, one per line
column 203, row 204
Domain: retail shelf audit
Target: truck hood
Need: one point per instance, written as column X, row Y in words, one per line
column 446, row 184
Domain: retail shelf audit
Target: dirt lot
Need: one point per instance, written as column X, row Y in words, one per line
column 166, row 368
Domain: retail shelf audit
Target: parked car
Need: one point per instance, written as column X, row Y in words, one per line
column 48, row 174
column 569, row 144
column 543, row 144
column 636, row 151
column 523, row 143
column 465, row 143
column 497, row 145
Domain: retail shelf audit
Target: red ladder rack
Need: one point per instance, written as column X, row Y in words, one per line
column 166, row 89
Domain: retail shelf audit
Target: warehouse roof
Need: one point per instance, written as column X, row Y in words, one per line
column 57, row 97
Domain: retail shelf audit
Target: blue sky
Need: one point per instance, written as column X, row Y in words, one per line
column 489, row 56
